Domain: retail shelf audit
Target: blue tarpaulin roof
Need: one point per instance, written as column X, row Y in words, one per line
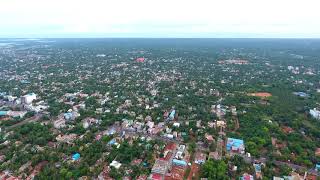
column 145, row 164
column 112, row 142
column 172, row 114
column 25, row 81
column 111, row 131
column 76, row 156
column 257, row 167
column 234, row 143
column 179, row 162
column 67, row 115
column 301, row 94
column 3, row 113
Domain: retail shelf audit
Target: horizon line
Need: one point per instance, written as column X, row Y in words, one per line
column 123, row 37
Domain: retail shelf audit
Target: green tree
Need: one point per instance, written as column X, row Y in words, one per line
column 214, row 170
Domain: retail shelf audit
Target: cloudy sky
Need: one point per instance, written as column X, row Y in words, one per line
column 160, row 18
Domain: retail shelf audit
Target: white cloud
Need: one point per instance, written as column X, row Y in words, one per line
column 20, row 17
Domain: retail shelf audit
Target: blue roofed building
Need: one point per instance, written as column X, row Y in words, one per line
column 200, row 158
column 112, row 142
column 172, row 114
column 301, row 94
column 3, row 113
column 68, row 116
column 235, row 146
column 111, row 131
column 318, row 167
column 257, row 168
column 25, row 81
column 71, row 115
column 76, row 156
column 179, row 162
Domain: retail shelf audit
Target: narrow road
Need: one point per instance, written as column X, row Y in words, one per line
column 246, row 158
column 280, row 163
column 237, row 126
column 34, row 118
column 296, row 167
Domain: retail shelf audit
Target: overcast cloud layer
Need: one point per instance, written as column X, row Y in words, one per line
column 160, row 18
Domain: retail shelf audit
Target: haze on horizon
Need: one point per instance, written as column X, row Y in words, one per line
column 165, row 18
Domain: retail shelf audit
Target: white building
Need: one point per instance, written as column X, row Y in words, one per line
column 176, row 124
column 28, row 98
column 87, row 122
column 180, row 151
column 11, row 98
column 315, row 113
column 150, row 124
column 115, row 164
column 170, row 136
column 17, row 114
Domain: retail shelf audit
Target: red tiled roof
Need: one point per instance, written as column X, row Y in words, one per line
column 141, row 59
column 136, row 162
column 209, row 137
column 170, row 146
column 287, row 129
column 311, row 177
column 142, row 177
column 156, row 176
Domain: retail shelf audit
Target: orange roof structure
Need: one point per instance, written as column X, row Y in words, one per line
column 287, row 129
column 261, row 94
column 170, row 147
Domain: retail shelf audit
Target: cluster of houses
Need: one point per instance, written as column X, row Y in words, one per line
column 234, row 61
column 305, row 70
column 235, row 146
column 175, row 158
column 174, row 163
column 26, row 103
column 34, row 171
column 63, row 118
column 148, row 126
